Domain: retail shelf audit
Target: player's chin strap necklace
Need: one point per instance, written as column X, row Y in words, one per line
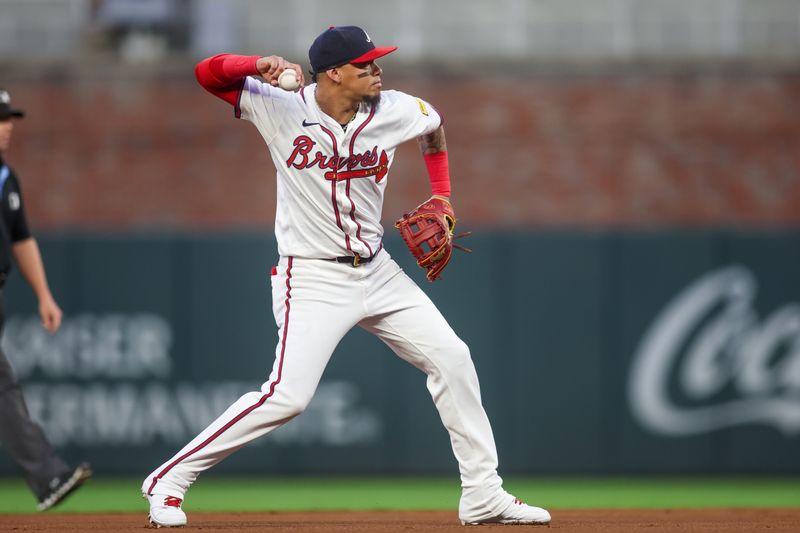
column 344, row 126
column 355, row 113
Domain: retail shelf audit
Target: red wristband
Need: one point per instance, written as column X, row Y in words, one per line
column 438, row 172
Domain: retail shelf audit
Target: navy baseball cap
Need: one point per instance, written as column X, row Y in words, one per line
column 6, row 111
column 339, row 45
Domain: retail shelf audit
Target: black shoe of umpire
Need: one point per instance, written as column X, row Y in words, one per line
column 63, row 485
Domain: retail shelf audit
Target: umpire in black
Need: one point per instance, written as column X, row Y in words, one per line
column 49, row 478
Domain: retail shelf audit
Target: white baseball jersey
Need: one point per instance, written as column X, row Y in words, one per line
column 331, row 181
column 330, row 193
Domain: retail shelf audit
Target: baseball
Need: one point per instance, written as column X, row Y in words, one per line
column 288, row 80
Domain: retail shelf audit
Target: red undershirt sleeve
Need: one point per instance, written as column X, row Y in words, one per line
column 223, row 75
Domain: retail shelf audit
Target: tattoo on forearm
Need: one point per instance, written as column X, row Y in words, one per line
column 433, row 142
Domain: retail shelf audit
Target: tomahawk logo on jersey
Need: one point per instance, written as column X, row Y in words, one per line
column 336, row 177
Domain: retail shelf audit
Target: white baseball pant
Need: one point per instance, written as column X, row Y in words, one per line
column 315, row 303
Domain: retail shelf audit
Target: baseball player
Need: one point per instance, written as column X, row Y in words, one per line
column 49, row 478
column 332, row 143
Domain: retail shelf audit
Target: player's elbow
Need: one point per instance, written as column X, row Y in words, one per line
column 202, row 73
column 210, row 73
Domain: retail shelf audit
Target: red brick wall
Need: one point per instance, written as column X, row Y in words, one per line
column 559, row 152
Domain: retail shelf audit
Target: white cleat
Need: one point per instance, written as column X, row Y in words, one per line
column 518, row 512
column 165, row 511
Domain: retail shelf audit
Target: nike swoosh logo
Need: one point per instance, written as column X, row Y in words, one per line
column 306, row 124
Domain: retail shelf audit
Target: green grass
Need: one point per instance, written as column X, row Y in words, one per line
column 103, row 494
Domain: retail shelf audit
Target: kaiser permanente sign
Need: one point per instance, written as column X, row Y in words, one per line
column 110, row 381
column 662, row 352
column 731, row 366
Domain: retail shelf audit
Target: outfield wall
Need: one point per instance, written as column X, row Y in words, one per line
column 627, row 149
column 598, row 352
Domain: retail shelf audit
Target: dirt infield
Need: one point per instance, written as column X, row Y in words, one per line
column 577, row 521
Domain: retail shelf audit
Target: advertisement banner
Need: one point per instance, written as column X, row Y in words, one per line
column 598, row 352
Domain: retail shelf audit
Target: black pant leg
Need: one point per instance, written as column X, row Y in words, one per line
column 22, row 437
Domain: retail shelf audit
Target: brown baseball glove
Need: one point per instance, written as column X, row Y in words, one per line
column 428, row 233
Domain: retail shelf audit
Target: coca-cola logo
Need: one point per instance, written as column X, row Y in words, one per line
column 707, row 362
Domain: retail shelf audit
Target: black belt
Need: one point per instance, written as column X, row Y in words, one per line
column 354, row 260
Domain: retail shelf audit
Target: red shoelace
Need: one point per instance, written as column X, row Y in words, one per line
column 519, row 502
column 172, row 501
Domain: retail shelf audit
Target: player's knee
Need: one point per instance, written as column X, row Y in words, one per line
column 297, row 403
column 460, row 350
column 288, row 405
column 457, row 356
